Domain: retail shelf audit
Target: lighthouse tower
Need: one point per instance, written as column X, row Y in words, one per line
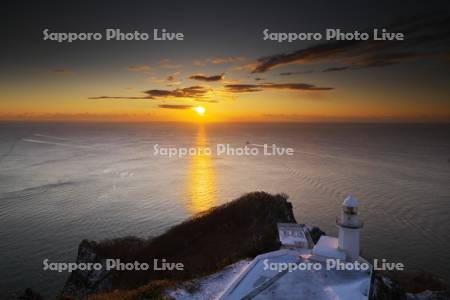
column 349, row 227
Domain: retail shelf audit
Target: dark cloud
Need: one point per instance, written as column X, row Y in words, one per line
column 115, row 97
column 427, row 34
column 201, row 77
column 171, row 80
column 159, row 93
column 311, row 54
column 195, row 91
column 295, row 73
column 192, row 91
column 385, row 59
column 335, row 69
column 295, row 86
column 176, row 106
column 241, row 88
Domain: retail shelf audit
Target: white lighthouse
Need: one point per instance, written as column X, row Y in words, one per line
column 349, row 227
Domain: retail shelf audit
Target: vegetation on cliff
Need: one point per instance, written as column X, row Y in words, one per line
column 205, row 244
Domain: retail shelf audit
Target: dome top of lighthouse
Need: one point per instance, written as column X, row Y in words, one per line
column 350, row 201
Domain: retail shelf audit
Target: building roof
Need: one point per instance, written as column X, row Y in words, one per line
column 258, row 282
column 327, row 246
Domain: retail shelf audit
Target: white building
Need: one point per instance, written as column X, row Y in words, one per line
column 346, row 246
column 258, row 281
column 293, row 235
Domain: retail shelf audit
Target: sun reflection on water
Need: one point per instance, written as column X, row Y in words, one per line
column 202, row 183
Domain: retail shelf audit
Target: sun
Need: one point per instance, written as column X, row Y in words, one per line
column 200, row 110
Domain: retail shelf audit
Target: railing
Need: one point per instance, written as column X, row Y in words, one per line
column 358, row 224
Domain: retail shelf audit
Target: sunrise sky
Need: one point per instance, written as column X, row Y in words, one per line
column 224, row 65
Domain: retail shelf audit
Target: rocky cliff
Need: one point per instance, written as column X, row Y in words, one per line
column 205, row 243
column 407, row 285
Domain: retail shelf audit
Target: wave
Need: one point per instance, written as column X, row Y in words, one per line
column 50, row 137
column 36, row 189
column 52, row 143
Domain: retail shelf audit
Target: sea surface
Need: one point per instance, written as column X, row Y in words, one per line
column 64, row 182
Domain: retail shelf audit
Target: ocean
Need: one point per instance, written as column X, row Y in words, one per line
column 64, row 182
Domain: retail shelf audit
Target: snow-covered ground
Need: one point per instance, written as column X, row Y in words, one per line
column 267, row 275
column 210, row 287
column 260, row 281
